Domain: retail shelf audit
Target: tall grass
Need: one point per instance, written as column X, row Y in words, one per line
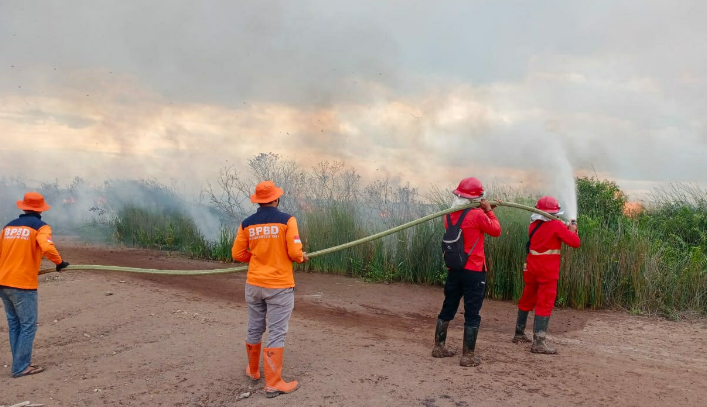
column 506, row 255
column 338, row 225
column 651, row 262
column 624, row 262
column 168, row 230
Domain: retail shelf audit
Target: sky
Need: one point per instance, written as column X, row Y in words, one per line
column 415, row 91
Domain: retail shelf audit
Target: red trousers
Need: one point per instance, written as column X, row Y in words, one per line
column 539, row 293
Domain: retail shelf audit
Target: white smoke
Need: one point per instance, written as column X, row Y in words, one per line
column 171, row 104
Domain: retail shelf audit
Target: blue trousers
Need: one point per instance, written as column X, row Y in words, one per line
column 21, row 310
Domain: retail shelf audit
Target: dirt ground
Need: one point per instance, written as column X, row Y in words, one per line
column 119, row 339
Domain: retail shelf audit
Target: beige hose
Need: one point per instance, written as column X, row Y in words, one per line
column 310, row 255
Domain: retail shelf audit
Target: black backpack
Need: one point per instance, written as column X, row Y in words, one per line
column 455, row 257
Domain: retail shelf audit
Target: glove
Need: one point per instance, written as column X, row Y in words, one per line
column 62, row 265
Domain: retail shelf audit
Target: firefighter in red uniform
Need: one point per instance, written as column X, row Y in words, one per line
column 542, row 272
column 469, row 282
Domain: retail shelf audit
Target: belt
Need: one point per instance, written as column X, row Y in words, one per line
column 533, row 252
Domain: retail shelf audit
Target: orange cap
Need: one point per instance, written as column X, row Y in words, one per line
column 33, row 201
column 265, row 192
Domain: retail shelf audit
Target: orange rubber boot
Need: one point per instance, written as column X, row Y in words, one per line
column 252, row 370
column 272, row 367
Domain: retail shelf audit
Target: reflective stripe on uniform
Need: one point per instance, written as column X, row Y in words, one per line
column 533, row 252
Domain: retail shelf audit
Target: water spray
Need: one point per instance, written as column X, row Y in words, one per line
column 310, row 255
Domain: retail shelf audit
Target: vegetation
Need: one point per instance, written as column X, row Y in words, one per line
column 650, row 261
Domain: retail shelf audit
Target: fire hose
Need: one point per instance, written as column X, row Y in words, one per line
column 310, row 255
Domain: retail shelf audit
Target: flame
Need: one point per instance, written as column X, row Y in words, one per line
column 633, row 209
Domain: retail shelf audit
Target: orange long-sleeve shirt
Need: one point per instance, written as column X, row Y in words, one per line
column 269, row 241
column 22, row 244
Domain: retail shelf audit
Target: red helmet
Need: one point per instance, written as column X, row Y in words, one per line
column 470, row 188
column 548, row 204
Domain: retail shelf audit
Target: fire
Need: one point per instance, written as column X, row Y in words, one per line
column 633, row 209
column 69, row 200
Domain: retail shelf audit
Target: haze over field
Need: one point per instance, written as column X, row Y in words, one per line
column 408, row 90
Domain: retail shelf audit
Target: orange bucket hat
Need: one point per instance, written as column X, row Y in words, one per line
column 265, row 192
column 33, row 201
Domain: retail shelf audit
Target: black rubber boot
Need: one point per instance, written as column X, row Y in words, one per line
column 520, row 336
column 440, row 350
column 468, row 357
column 539, row 332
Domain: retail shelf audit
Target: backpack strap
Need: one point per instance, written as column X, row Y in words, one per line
column 531, row 235
column 474, row 245
column 461, row 219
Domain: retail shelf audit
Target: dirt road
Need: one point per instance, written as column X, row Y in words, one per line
column 118, row 339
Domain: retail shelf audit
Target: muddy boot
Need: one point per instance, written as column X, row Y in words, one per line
column 468, row 357
column 272, row 367
column 440, row 350
column 539, row 333
column 253, row 368
column 520, row 336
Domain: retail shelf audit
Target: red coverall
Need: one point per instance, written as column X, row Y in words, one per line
column 543, row 266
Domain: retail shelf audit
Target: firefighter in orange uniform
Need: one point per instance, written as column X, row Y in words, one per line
column 542, row 272
column 270, row 242
column 23, row 242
